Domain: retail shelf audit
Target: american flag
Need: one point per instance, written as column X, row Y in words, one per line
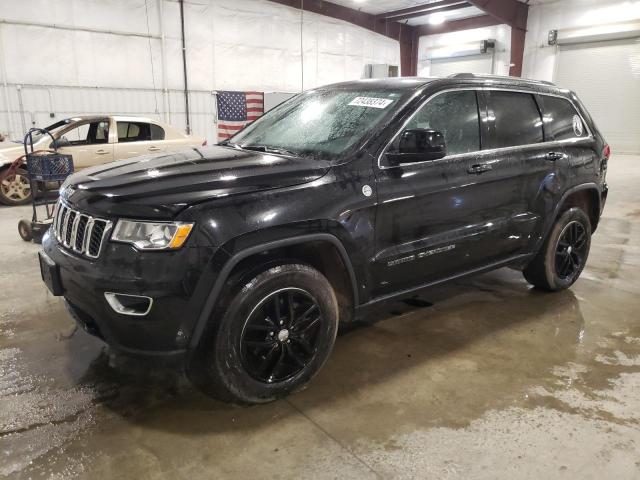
column 236, row 110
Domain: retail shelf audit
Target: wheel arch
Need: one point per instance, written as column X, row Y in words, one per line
column 248, row 253
column 586, row 196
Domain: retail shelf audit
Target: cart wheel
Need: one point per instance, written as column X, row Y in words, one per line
column 25, row 231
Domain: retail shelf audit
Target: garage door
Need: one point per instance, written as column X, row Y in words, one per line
column 606, row 76
column 443, row 67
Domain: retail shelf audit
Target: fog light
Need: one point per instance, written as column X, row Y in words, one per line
column 126, row 304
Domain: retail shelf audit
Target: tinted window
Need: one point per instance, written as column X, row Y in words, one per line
column 157, row 132
column 516, row 119
column 133, row 132
column 561, row 121
column 455, row 114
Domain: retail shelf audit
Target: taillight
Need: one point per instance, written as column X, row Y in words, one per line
column 606, row 153
column 204, row 144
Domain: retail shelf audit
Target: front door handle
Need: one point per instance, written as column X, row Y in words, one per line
column 101, row 152
column 553, row 156
column 154, row 149
column 479, row 168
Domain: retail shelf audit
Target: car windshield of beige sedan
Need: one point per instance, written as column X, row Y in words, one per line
column 322, row 123
column 53, row 128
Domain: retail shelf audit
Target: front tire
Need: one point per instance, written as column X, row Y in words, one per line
column 563, row 255
column 275, row 334
column 15, row 189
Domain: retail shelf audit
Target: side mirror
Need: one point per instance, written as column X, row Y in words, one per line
column 60, row 143
column 419, row 145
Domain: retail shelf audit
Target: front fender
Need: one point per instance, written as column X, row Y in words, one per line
column 224, row 262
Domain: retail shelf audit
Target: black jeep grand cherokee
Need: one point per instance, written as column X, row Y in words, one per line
column 246, row 255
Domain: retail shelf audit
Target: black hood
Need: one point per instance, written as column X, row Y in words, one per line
column 161, row 186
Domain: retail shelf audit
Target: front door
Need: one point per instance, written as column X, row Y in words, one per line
column 87, row 143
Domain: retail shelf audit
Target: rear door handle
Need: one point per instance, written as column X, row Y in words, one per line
column 101, row 152
column 154, row 149
column 553, row 156
column 479, row 168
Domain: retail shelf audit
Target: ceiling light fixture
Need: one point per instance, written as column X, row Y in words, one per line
column 437, row 19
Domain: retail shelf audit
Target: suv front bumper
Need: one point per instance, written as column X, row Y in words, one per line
column 169, row 278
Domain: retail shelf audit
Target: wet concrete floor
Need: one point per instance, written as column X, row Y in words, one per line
column 485, row 378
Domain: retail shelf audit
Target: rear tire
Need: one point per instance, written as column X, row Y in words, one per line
column 563, row 255
column 276, row 332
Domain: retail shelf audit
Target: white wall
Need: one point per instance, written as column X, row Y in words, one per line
column 500, row 33
column 106, row 56
column 576, row 15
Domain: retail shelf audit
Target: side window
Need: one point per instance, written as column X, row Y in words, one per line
column 157, row 132
column 516, row 120
column 455, row 115
column 133, row 132
column 88, row 133
column 99, row 132
column 78, row 135
column 561, row 120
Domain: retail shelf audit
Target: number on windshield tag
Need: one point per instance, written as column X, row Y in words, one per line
column 371, row 102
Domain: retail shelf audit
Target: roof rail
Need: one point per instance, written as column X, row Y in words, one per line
column 499, row 77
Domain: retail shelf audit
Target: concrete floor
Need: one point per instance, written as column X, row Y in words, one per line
column 493, row 380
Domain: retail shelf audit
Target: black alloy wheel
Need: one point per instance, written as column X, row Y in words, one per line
column 563, row 255
column 272, row 334
column 280, row 335
column 571, row 250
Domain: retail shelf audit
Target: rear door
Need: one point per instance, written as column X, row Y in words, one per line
column 135, row 138
column 525, row 165
column 566, row 131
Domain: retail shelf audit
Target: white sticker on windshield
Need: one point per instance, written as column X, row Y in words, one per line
column 371, row 102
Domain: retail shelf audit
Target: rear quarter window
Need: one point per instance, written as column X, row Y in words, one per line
column 157, row 132
column 515, row 120
column 561, row 119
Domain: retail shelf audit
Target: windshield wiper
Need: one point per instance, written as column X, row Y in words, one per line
column 264, row 148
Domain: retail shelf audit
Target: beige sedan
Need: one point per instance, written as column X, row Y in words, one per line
column 92, row 140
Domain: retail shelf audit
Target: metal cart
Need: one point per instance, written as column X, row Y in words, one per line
column 44, row 167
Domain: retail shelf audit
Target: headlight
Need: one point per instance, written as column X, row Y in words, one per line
column 152, row 235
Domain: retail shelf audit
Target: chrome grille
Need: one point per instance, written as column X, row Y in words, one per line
column 79, row 232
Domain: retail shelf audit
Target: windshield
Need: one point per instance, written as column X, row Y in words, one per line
column 321, row 123
column 36, row 136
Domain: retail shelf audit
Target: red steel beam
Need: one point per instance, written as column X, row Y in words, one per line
column 511, row 12
column 517, row 51
column 406, row 35
column 514, row 14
